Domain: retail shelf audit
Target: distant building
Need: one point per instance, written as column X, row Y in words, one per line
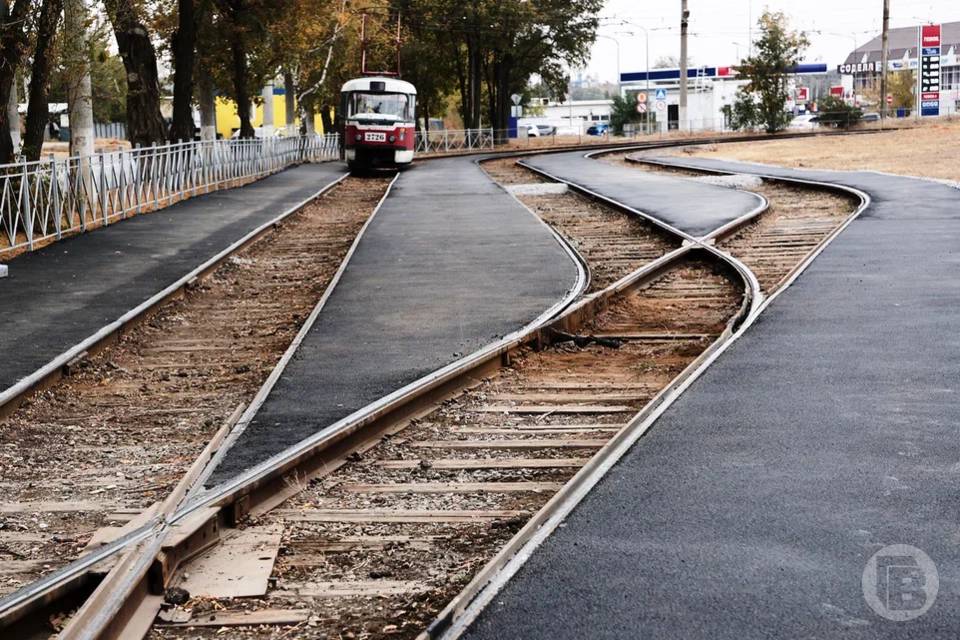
column 709, row 89
column 862, row 67
column 572, row 117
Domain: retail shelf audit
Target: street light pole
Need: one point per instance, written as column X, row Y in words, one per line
column 616, row 42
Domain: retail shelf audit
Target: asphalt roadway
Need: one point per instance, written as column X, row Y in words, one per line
column 57, row 296
column 828, row 431
column 450, row 263
column 695, row 208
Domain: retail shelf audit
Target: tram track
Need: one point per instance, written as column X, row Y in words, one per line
column 502, row 447
column 800, row 217
column 377, row 546
column 118, row 431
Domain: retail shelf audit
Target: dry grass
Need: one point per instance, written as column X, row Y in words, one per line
column 930, row 150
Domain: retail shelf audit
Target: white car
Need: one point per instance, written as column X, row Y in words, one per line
column 805, row 121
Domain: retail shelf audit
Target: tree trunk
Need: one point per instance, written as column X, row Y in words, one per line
column 38, row 115
column 208, row 108
column 145, row 125
column 13, row 42
column 267, row 122
column 77, row 63
column 289, row 104
column 13, row 117
column 329, row 126
column 183, row 43
column 474, row 71
column 309, row 124
column 500, row 120
column 240, row 80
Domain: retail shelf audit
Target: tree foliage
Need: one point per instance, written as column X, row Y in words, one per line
column 777, row 50
column 837, row 113
column 474, row 54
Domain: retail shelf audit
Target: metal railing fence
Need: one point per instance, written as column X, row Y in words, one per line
column 116, row 130
column 446, row 140
column 41, row 202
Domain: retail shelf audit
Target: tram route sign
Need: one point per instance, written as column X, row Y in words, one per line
column 928, row 79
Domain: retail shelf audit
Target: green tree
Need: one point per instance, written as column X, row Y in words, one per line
column 623, row 111
column 837, row 113
column 777, row 50
column 742, row 114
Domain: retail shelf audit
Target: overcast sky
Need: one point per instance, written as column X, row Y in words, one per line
column 719, row 30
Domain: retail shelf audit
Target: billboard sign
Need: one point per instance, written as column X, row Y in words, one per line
column 928, row 80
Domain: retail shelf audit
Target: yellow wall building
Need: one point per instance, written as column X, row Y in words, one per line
column 228, row 121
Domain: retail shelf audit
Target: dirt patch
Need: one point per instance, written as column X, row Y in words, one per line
column 921, row 151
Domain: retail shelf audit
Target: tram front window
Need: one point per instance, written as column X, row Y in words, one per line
column 397, row 106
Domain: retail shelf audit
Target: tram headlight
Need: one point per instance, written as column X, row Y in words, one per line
column 393, row 138
column 359, row 137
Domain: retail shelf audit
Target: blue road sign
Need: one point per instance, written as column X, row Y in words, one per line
column 661, row 94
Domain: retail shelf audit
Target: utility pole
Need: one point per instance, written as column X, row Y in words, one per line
column 684, row 15
column 883, row 58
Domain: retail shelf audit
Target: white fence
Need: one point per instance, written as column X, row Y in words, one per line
column 454, row 140
column 40, row 202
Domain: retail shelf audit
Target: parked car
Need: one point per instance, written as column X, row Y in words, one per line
column 805, row 121
column 599, row 129
column 538, row 130
column 873, row 116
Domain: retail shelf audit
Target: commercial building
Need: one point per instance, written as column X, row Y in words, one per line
column 862, row 67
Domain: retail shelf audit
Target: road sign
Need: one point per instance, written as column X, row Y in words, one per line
column 641, row 97
column 803, row 94
column 889, row 98
column 661, row 105
column 516, row 98
column 661, row 94
column 641, row 107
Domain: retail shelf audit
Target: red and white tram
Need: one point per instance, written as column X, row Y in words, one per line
column 379, row 122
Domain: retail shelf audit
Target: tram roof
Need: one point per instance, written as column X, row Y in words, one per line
column 388, row 85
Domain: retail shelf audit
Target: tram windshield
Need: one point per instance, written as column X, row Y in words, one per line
column 380, row 106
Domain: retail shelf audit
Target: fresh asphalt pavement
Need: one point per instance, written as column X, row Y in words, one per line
column 827, row 432
column 450, row 263
column 57, row 296
column 695, row 208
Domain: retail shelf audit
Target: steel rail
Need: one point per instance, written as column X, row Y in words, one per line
column 24, row 601
column 233, row 498
column 52, row 370
column 753, row 292
column 454, row 620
